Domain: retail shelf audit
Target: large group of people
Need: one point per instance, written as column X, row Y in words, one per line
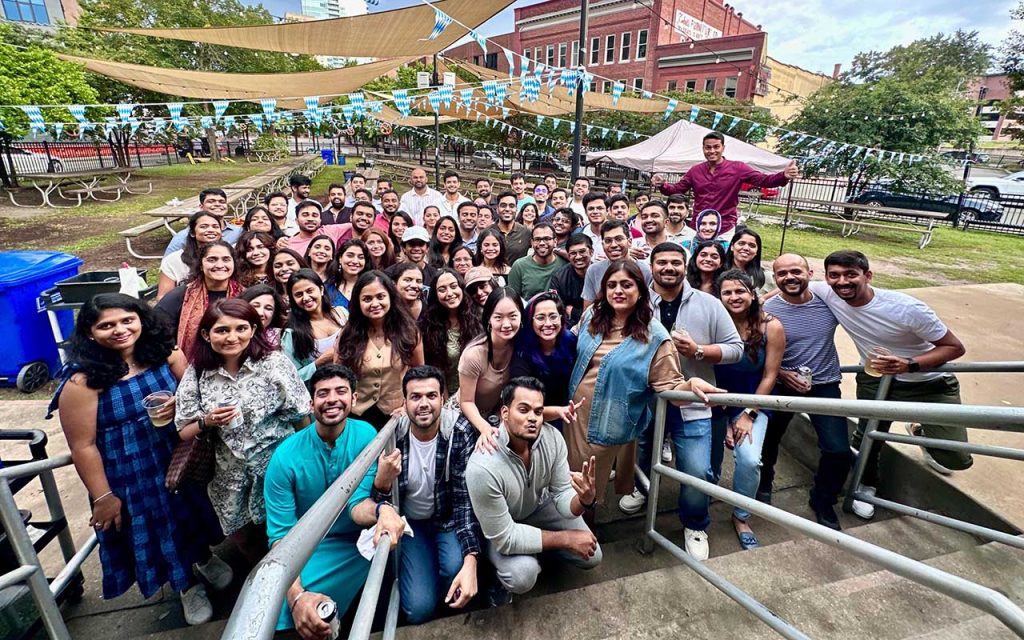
column 518, row 339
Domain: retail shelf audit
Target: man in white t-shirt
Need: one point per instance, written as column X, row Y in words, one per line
column 452, row 198
column 896, row 335
column 432, row 447
column 420, row 196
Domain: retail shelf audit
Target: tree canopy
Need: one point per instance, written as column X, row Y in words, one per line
column 1011, row 59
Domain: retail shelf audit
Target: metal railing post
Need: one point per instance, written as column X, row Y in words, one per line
column 363, row 620
column 866, row 442
column 647, row 543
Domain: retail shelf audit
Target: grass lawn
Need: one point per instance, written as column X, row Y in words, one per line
column 332, row 174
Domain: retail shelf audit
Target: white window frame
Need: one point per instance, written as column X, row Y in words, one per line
column 672, row 85
column 714, row 85
column 625, row 45
column 645, row 44
column 606, row 86
column 686, row 85
column 537, row 53
column 595, row 51
column 550, row 59
column 735, row 80
column 563, row 54
column 575, row 55
column 609, row 49
column 638, row 84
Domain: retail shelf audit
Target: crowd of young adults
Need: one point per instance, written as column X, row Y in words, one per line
column 518, row 338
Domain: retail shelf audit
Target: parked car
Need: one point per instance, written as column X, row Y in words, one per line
column 974, row 207
column 995, row 188
column 25, row 161
column 960, row 156
column 545, row 164
column 767, row 193
column 489, row 160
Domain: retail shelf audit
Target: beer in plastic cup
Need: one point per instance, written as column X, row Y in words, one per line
column 873, row 354
column 153, row 403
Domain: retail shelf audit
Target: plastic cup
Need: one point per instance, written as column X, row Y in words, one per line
column 873, row 354
column 236, row 422
column 153, row 403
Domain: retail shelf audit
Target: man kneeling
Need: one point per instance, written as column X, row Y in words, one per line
column 429, row 461
column 524, row 496
column 302, row 468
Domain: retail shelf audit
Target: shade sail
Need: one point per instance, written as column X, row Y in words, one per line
column 677, row 148
column 401, row 32
column 389, row 114
column 249, row 86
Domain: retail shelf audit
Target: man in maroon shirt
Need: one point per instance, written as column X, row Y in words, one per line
column 716, row 183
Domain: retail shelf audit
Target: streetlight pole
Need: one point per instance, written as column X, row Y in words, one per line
column 577, row 136
column 437, row 133
column 982, row 92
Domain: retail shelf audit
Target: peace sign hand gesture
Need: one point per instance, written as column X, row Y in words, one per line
column 585, row 482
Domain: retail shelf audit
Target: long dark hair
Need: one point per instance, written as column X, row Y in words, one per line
column 399, row 326
column 247, row 273
column 501, row 262
column 204, row 250
column 499, row 294
column 275, row 229
column 331, row 272
column 388, row 257
column 190, row 254
column 204, row 358
column 103, row 367
column 408, row 223
column 303, row 339
column 367, row 258
column 559, row 364
column 280, row 306
column 435, row 255
column 753, row 317
column 280, row 287
column 433, row 323
column 693, row 273
column 753, row 268
column 639, row 320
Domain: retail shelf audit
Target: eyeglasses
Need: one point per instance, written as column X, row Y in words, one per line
column 545, row 239
column 550, row 318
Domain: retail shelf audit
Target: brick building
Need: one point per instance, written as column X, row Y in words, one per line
column 636, row 45
column 991, row 90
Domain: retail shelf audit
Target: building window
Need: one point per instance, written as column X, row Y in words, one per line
column 606, row 86
column 671, row 86
column 609, row 49
column 526, row 54
column 537, row 54
column 691, row 85
column 491, row 61
column 576, row 53
column 476, row 60
column 627, row 44
column 593, row 85
column 641, row 44
column 551, row 55
column 595, row 51
column 730, row 87
column 638, row 84
column 561, row 55
column 709, row 85
column 26, row 11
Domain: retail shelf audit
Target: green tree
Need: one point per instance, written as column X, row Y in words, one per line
column 1011, row 60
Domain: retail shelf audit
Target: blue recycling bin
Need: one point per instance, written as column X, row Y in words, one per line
column 327, row 155
column 30, row 356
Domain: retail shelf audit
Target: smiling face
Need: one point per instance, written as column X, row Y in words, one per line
column 462, row 261
column 374, row 302
column 449, row 293
column 468, row 217
column 207, row 230
column 622, row 292
column 431, row 215
column 518, row 185
column 266, row 307
column 375, row 245
column 284, row 266
column 278, row 207
column 410, row 285
column 736, row 297
column 331, row 401
column 616, row 244
column 562, row 224
column 353, row 261
column 551, row 183
column 619, row 210
column 337, row 197
column 708, row 227
column 215, row 205
column 218, row 266
column 580, row 256
column 849, row 283
column 485, row 218
column 398, row 226
column 559, row 200
column 678, row 212
column 669, row 269
column 543, row 242
column 308, row 219
column 307, row 296
column 229, row 337
column 505, row 321
column 597, row 211
column 321, row 251
column 260, row 221
column 546, row 322
column 423, row 401
column 116, row 329
column 580, row 188
column 713, row 150
column 480, row 292
column 300, row 192
column 257, row 253
column 540, row 194
column 524, row 416
column 362, row 217
column 451, row 185
column 744, row 249
column 709, row 260
column 389, row 202
column 415, row 250
column 652, row 221
column 792, row 274
column 529, row 214
column 483, row 189
column 507, row 209
column 446, row 231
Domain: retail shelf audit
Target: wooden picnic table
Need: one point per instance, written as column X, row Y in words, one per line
column 89, row 184
column 850, row 216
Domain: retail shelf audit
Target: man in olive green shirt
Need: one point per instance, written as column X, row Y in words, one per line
column 531, row 274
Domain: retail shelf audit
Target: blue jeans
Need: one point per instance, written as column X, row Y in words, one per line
column 691, row 441
column 429, row 562
column 747, row 456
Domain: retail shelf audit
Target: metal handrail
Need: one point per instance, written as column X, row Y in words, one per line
column 1007, row 366
column 256, row 611
column 978, row 596
column 363, row 620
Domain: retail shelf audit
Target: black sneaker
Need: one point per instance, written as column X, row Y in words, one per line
column 826, row 517
column 498, row 596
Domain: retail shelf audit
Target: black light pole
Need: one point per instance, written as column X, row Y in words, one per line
column 577, row 136
column 437, row 133
column 982, row 92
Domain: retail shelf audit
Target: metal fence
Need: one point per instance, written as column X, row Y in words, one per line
column 22, row 158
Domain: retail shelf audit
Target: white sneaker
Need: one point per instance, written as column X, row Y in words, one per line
column 632, row 503
column 611, row 476
column 196, row 605
column 666, row 451
column 696, row 543
column 216, row 572
column 917, row 431
column 864, row 510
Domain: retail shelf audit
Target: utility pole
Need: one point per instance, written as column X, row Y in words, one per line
column 982, row 92
column 577, row 136
column 437, row 133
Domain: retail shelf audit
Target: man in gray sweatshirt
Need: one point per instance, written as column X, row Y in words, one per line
column 524, row 496
column 704, row 335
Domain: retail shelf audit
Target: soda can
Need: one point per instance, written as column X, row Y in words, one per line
column 805, row 372
column 328, row 612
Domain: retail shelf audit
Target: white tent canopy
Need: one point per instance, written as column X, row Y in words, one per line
column 677, row 148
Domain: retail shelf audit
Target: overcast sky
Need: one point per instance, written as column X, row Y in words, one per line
column 816, row 34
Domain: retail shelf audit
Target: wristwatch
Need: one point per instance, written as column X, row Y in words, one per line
column 752, row 413
column 913, row 366
column 699, row 353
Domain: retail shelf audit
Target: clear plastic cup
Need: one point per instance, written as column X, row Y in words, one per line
column 869, row 363
column 153, row 403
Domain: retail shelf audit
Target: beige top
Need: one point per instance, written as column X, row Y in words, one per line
column 380, row 380
column 489, row 381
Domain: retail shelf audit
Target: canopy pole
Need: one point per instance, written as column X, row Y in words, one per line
column 437, row 133
column 577, row 136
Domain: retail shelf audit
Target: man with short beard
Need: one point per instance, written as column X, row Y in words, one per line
column 524, row 496
column 363, row 217
column 420, row 196
column 452, row 197
column 299, row 185
column 389, row 203
column 483, row 190
column 214, row 202
column 810, row 328
column 302, row 467
column 531, row 274
column 568, row 281
column 652, row 223
column 336, row 212
column 432, row 448
column 616, row 242
column 307, row 216
column 580, row 188
column 676, row 228
column 468, row 215
column 516, row 235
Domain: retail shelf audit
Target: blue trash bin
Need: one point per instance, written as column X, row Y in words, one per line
column 327, row 155
column 30, row 356
column 341, row 160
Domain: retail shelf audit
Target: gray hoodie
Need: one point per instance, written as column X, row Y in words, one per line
column 705, row 318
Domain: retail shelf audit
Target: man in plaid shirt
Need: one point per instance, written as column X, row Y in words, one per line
column 433, row 446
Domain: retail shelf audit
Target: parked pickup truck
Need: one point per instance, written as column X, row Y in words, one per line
column 996, row 188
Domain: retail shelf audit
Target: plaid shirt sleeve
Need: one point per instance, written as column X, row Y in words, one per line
column 467, row 529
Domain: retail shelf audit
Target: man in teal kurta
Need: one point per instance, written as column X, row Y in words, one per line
column 300, row 471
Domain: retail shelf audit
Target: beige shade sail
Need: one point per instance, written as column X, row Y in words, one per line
column 401, row 32
column 389, row 114
column 248, row 86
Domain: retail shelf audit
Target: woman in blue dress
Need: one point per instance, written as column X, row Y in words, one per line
column 121, row 352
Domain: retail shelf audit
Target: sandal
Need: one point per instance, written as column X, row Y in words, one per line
column 747, row 540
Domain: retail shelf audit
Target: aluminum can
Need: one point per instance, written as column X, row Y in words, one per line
column 328, row 612
column 805, row 372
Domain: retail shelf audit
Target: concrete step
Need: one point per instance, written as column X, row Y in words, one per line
column 980, row 628
column 647, row 602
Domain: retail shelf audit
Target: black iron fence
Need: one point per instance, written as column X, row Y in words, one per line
column 24, row 158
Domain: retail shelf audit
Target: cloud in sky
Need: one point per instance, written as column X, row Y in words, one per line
column 816, row 34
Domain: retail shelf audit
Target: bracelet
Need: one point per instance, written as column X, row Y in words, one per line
column 376, row 512
column 296, row 598
column 589, row 507
column 109, row 493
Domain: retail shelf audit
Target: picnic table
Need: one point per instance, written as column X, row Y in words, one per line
column 854, row 217
column 88, row 184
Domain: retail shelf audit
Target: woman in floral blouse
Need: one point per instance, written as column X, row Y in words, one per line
column 247, row 394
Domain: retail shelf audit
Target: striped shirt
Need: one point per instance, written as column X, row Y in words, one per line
column 810, row 337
